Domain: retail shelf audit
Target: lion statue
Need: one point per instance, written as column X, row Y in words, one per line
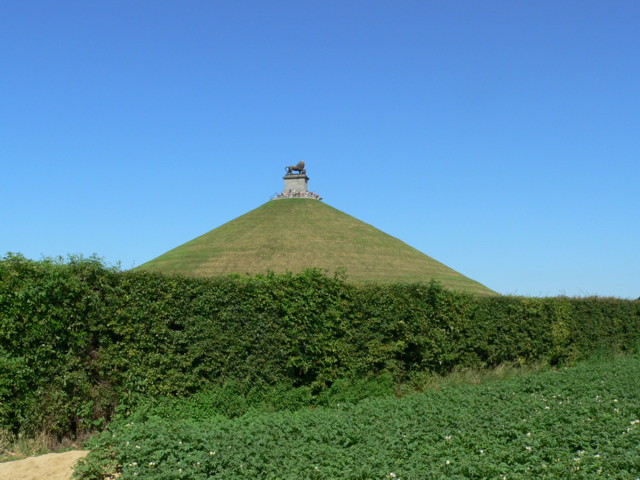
column 296, row 168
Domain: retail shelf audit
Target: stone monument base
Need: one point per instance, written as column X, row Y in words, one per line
column 295, row 186
column 295, row 183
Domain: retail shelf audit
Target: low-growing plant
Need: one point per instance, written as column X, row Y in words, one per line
column 234, row 399
column 582, row 423
column 15, row 447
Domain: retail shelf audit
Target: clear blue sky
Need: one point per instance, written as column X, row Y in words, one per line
column 500, row 137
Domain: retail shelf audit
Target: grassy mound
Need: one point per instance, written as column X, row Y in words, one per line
column 294, row 234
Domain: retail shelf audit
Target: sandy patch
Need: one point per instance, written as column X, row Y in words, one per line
column 52, row 466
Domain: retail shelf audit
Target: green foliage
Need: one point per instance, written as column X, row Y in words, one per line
column 78, row 339
column 234, row 399
column 47, row 350
column 578, row 423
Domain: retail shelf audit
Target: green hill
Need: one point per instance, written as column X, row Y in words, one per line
column 294, row 234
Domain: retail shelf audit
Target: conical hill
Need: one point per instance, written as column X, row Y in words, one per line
column 294, row 234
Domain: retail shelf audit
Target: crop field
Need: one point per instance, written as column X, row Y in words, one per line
column 578, row 423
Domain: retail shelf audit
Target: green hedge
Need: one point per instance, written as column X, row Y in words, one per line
column 78, row 338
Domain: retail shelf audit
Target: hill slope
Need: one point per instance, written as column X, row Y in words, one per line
column 294, row 234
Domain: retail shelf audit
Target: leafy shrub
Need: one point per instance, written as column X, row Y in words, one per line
column 79, row 339
column 235, row 399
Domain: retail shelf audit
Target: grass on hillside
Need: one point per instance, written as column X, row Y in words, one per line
column 582, row 423
column 294, row 234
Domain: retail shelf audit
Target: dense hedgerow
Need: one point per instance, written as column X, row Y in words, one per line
column 579, row 423
column 78, row 339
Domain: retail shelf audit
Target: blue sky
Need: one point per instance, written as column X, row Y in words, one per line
column 501, row 138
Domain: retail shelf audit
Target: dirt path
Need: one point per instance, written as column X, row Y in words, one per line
column 52, row 466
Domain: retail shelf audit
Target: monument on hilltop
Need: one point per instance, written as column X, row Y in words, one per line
column 295, row 184
column 298, row 232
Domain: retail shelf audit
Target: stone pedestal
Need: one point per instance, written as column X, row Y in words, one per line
column 295, row 184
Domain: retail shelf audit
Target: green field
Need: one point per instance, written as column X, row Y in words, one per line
column 294, row 234
column 581, row 423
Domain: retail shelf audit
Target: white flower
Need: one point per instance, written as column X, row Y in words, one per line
column 392, row 475
column 528, row 449
column 448, row 437
column 212, row 453
column 447, row 462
